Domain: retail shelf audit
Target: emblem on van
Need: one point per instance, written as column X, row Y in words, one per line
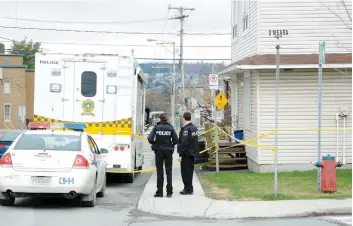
column 88, row 107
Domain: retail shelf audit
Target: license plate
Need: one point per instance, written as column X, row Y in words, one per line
column 41, row 180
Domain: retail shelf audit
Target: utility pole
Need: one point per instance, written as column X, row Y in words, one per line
column 181, row 17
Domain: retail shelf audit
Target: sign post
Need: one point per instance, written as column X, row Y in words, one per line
column 277, row 33
column 213, row 82
column 322, row 59
column 220, row 101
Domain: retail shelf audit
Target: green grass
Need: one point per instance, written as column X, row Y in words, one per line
column 256, row 186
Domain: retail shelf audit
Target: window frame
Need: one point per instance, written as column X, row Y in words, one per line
column 83, row 84
column 8, row 87
column 245, row 17
column 9, row 118
column 235, row 11
column 95, row 146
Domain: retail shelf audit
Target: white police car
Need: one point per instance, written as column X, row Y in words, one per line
column 52, row 163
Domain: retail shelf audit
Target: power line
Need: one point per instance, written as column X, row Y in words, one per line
column 109, row 32
column 85, row 22
column 122, row 45
column 138, row 58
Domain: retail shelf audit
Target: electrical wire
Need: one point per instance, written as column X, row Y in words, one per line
column 103, row 54
column 85, row 22
column 118, row 45
column 109, row 32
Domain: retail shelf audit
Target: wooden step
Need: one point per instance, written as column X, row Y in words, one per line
column 228, row 166
column 228, row 144
column 231, row 152
column 230, row 159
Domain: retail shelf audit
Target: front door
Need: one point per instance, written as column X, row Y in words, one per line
column 89, row 94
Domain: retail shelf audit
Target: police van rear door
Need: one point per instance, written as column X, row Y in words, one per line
column 89, row 94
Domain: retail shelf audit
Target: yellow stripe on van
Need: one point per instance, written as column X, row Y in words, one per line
column 117, row 127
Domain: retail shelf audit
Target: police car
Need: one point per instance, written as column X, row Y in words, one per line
column 48, row 162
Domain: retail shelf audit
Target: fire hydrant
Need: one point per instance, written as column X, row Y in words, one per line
column 328, row 173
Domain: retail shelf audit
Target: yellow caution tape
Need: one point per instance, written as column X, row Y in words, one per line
column 6, row 126
column 206, row 149
column 141, row 137
column 245, row 142
column 206, row 131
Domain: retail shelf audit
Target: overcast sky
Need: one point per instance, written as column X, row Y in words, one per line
column 209, row 16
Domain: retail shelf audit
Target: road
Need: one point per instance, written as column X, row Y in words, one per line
column 118, row 208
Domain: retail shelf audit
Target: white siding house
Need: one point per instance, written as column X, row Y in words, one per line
column 252, row 73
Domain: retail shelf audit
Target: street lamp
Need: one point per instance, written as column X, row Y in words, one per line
column 173, row 78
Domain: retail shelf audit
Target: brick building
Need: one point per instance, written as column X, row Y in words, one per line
column 16, row 92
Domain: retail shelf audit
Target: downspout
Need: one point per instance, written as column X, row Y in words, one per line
column 337, row 125
column 344, row 114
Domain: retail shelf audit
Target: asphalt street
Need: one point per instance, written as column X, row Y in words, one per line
column 118, row 208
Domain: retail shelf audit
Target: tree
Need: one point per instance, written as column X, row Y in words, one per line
column 27, row 48
column 343, row 12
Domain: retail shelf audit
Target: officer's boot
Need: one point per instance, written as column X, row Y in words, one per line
column 159, row 194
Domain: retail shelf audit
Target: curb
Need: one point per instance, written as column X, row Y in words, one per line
column 189, row 207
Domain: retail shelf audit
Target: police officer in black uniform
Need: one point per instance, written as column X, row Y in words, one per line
column 163, row 138
column 188, row 147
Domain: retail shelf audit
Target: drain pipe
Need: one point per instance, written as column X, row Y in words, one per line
column 344, row 114
column 337, row 125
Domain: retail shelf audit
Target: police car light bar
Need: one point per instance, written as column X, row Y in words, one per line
column 75, row 126
column 39, row 125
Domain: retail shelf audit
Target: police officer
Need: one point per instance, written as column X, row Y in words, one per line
column 163, row 138
column 188, row 147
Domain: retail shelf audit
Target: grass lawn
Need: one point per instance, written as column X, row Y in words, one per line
column 256, row 186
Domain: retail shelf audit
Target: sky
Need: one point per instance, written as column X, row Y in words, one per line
column 209, row 16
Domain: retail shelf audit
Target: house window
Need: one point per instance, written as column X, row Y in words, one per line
column 7, row 112
column 247, row 100
column 235, row 18
column 246, row 15
column 7, row 87
column 89, row 84
column 235, row 31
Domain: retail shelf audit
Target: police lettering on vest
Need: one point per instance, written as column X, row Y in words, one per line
column 164, row 133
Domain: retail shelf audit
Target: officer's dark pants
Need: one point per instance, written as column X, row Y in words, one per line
column 187, row 172
column 167, row 158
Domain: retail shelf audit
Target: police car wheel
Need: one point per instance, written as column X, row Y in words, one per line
column 101, row 193
column 9, row 201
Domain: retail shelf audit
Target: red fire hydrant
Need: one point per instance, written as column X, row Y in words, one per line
column 328, row 173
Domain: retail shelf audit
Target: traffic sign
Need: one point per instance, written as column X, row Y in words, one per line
column 213, row 81
column 221, row 100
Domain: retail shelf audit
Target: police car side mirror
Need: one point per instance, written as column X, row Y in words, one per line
column 104, row 151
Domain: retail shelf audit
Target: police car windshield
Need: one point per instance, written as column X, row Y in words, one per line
column 57, row 142
column 9, row 135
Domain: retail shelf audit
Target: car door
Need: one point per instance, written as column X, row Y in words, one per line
column 97, row 160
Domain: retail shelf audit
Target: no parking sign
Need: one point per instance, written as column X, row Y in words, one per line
column 213, row 81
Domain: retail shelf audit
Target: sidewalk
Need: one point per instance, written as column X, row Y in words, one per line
column 198, row 205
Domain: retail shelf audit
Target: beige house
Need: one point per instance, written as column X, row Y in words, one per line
column 252, row 74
